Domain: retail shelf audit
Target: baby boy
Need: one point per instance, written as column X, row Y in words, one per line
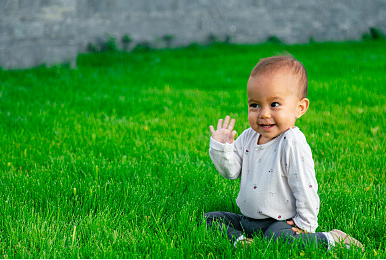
column 278, row 189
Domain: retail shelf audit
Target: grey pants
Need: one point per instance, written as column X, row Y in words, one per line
column 237, row 225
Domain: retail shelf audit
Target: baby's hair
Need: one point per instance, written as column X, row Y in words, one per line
column 272, row 65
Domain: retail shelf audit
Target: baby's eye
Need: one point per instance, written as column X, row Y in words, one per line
column 254, row 105
column 275, row 104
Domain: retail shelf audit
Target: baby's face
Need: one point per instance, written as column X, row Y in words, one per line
column 273, row 102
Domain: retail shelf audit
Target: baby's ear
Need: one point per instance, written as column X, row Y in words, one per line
column 302, row 107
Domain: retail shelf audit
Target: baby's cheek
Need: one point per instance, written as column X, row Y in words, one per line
column 252, row 118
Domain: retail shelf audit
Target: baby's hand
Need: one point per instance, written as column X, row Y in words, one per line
column 295, row 228
column 225, row 132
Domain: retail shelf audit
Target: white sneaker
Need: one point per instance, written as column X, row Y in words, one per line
column 341, row 237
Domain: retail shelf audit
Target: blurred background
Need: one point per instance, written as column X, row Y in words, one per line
column 34, row 32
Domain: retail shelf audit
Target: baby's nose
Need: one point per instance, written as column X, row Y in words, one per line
column 265, row 113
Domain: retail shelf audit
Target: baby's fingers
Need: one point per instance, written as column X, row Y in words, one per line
column 211, row 128
column 232, row 124
column 219, row 124
column 291, row 222
column 226, row 121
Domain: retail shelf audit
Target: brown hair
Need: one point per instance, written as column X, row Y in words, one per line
column 284, row 62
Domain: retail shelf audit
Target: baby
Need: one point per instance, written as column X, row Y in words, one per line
column 278, row 189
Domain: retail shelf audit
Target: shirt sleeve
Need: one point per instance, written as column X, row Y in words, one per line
column 302, row 181
column 227, row 157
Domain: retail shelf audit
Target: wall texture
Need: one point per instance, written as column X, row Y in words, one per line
column 34, row 32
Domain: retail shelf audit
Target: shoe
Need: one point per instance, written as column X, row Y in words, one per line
column 341, row 237
column 246, row 242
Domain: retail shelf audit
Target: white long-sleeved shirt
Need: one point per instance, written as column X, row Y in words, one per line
column 277, row 178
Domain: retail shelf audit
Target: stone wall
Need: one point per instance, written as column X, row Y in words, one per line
column 34, row 32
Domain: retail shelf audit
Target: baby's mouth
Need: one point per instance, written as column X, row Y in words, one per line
column 267, row 125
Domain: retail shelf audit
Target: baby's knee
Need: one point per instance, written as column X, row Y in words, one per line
column 214, row 215
column 211, row 217
column 279, row 229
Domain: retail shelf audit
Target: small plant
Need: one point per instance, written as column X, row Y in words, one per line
column 97, row 45
column 168, row 39
column 228, row 38
column 274, row 40
column 193, row 46
column 91, row 47
column 143, row 46
column 111, row 44
column 374, row 34
column 126, row 41
column 212, row 38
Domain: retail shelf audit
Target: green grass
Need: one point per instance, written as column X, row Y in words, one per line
column 110, row 160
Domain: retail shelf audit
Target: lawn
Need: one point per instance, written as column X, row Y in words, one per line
column 110, row 159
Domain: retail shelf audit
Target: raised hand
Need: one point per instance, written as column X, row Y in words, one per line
column 224, row 132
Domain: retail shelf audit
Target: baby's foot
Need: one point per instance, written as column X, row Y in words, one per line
column 341, row 237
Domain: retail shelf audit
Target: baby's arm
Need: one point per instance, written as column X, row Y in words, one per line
column 223, row 149
column 301, row 179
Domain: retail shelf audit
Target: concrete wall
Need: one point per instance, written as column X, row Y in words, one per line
column 34, row 32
